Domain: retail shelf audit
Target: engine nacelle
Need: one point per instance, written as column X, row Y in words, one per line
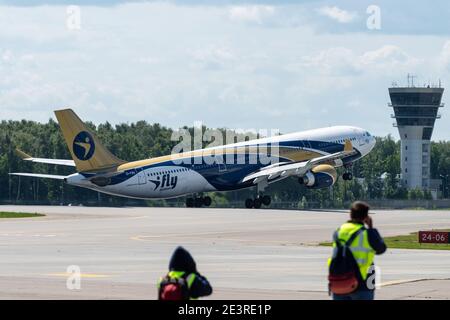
column 322, row 176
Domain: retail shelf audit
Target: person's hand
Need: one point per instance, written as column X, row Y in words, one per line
column 368, row 222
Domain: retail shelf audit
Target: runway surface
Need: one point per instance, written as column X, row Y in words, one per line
column 246, row 254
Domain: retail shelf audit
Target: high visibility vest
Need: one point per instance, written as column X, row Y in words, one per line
column 179, row 274
column 360, row 247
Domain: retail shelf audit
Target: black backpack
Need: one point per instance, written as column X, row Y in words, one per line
column 173, row 289
column 343, row 277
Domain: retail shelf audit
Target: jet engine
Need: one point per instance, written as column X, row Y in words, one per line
column 322, row 176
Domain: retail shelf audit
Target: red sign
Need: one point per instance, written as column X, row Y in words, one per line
column 433, row 237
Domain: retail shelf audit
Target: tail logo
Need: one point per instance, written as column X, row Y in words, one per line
column 83, row 146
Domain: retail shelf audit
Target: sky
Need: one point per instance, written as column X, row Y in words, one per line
column 287, row 65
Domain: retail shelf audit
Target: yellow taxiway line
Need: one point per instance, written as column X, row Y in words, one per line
column 82, row 275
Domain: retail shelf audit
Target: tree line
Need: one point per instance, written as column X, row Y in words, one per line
column 376, row 176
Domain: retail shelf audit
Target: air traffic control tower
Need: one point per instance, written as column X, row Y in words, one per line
column 415, row 111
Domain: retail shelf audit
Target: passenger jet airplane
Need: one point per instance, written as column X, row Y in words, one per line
column 311, row 156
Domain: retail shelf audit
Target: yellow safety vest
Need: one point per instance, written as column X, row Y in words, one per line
column 360, row 247
column 177, row 275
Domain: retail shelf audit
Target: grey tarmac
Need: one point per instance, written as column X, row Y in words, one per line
column 246, row 254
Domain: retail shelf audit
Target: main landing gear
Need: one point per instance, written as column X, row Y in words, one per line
column 260, row 199
column 347, row 175
column 198, row 202
column 258, row 202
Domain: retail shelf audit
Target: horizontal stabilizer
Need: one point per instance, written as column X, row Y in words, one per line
column 38, row 175
column 61, row 162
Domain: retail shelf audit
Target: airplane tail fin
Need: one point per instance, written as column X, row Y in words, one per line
column 85, row 148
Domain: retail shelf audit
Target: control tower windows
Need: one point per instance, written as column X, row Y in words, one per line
column 426, row 135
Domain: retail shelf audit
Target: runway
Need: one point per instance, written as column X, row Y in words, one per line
column 246, row 254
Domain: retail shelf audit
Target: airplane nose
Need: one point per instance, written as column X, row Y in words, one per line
column 372, row 142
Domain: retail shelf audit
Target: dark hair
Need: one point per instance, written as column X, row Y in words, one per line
column 359, row 210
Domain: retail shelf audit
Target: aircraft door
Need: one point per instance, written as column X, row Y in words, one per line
column 142, row 179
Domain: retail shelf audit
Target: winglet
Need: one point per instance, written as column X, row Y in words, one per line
column 22, row 154
column 348, row 147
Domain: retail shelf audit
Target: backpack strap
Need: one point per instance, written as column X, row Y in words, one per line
column 350, row 240
column 354, row 235
column 336, row 238
column 190, row 280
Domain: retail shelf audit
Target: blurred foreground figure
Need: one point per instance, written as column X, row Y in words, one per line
column 183, row 282
column 355, row 243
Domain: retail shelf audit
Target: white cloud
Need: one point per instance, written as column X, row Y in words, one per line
column 150, row 61
column 444, row 57
column 344, row 61
column 251, row 13
column 6, row 56
column 213, row 57
column 332, row 61
column 390, row 61
column 387, row 54
column 337, row 14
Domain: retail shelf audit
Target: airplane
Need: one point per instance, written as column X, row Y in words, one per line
column 310, row 156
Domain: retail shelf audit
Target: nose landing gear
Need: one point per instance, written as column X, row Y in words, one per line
column 347, row 175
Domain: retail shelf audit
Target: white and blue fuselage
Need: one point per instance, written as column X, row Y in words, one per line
column 189, row 173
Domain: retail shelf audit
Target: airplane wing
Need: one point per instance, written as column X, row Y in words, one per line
column 38, row 175
column 286, row 169
column 61, row 162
